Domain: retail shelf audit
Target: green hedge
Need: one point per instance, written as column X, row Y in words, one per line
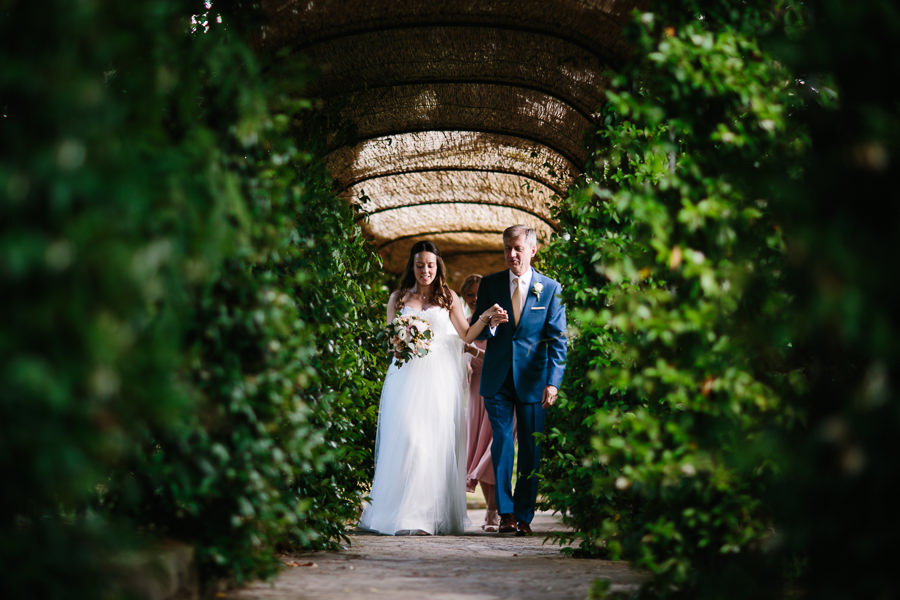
column 835, row 504
column 730, row 418
column 174, row 264
column 673, row 269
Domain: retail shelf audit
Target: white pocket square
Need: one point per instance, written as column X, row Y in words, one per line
column 538, row 308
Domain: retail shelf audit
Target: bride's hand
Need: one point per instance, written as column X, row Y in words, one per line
column 496, row 315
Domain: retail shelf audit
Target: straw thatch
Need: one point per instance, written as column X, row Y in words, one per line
column 456, row 118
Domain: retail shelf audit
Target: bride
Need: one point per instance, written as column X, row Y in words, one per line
column 420, row 446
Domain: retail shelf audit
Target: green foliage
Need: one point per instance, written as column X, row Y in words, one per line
column 112, row 219
column 738, row 431
column 275, row 459
column 282, row 376
column 835, row 503
column 175, row 267
column 345, row 301
column 673, row 270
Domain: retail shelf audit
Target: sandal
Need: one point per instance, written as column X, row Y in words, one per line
column 491, row 522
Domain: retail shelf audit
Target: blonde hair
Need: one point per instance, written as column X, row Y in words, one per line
column 469, row 282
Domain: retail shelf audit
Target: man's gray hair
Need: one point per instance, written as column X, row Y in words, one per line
column 515, row 231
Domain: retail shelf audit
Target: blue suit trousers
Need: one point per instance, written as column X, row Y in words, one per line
column 530, row 418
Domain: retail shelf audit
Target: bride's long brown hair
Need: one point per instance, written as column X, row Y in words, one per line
column 441, row 294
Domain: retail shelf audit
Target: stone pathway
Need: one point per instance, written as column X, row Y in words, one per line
column 472, row 566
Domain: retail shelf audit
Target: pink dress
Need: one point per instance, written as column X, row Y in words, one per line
column 478, row 430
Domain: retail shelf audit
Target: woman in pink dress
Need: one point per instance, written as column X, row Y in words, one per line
column 479, row 468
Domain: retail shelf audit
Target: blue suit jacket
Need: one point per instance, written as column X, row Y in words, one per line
column 535, row 348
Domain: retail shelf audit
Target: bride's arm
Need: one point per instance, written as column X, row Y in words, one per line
column 469, row 332
column 392, row 306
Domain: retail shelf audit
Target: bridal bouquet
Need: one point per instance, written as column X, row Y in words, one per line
column 409, row 337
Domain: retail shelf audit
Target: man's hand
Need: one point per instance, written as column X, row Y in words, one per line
column 550, row 394
column 496, row 315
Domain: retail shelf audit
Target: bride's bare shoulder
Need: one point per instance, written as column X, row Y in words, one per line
column 393, row 300
column 457, row 303
column 397, row 295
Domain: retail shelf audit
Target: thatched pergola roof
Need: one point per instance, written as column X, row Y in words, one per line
column 465, row 117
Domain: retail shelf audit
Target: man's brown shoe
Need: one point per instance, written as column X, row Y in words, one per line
column 507, row 523
column 523, row 528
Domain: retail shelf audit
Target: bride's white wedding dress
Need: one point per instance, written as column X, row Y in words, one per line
column 420, row 445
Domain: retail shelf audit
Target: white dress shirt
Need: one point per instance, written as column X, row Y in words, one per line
column 524, row 286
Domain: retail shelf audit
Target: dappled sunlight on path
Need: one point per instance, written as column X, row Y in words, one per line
column 474, row 565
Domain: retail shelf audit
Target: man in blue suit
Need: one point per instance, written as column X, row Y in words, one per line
column 522, row 371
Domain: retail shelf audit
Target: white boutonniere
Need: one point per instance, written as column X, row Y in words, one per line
column 536, row 289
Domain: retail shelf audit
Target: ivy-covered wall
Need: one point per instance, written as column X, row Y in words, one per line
column 730, row 401
column 186, row 303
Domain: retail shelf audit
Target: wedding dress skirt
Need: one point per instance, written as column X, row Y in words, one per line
column 420, row 445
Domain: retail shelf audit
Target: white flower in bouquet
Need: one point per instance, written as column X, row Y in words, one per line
column 409, row 337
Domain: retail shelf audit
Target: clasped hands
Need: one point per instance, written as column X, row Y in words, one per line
column 495, row 315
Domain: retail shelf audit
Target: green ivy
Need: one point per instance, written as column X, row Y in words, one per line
column 673, row 268
column 835, row 505
column 276, row 458
column 345, row 303
column 111, row 222
column 187, row 303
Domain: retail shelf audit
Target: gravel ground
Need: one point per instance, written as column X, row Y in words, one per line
column 473, row 566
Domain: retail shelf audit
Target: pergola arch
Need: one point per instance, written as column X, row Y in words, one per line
column 490, row 55
column 486, row 108
column 458, row 118
column 450, row 150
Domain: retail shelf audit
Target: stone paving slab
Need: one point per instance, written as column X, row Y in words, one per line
column 472, row 566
